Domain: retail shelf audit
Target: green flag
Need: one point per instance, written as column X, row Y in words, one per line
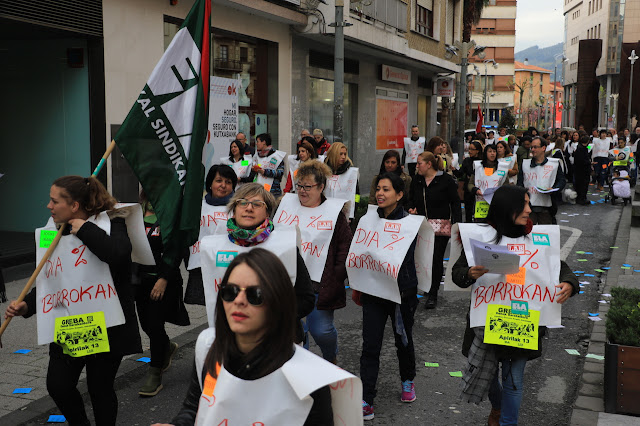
column 163, row 135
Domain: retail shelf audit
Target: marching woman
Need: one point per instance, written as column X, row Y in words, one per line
column 437, row 147
column 158, row 295
column 250, row 226
column 239, row 162
column 508, row 224
column 434, row 194
column 391, row 164
column 344, row 182
column 106, row 255
column 376, row 308
column 220, row 185
column 306, row 152
column 488, row 173
column 507, row 156
column 467, row 170
column 326, row 265
column 249, row 371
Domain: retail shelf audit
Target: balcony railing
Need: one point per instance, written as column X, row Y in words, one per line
column 389, row 12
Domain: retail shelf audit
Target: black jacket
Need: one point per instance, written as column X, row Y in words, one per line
column 582, row 158
column 439, row 200
column 407, row 277
column 114, row 250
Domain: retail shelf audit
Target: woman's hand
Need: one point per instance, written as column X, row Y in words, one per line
column 76, row 224
column 566, row 290
column 476, row 272
column 157, row 292
column 413, row 211
column 15, row 309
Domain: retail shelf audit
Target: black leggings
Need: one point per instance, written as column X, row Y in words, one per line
column 439, row 247
column 62, row 380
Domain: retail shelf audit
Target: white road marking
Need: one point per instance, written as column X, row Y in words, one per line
column 571, row 241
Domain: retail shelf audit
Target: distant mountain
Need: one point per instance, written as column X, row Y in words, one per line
column 541, row 57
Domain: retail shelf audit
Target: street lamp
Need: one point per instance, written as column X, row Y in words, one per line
column 614, row 114
column 633, row 58
column 484, row 96
column 463, row 49
column 555, row 78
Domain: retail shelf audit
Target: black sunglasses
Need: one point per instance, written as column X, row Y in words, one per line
column 229, row 292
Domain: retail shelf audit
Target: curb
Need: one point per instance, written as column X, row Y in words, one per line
column 46, row 405
column 590, row 401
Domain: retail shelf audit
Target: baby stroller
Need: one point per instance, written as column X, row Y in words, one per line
column 619, row 185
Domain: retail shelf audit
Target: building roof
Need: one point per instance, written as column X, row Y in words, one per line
column 519, row 66
column 557, row 84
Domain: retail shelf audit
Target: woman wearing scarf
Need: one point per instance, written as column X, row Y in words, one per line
column 220, row 183
column 508, row 223
column 250, row 226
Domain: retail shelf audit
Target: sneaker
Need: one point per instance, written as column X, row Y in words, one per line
column 367, row 411
column 408, row 391
column 432, row 302
column 168, row 356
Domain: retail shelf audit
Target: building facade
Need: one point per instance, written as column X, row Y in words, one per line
column 532, row 95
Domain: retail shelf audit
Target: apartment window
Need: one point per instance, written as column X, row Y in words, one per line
column 424, row 20
column 224, row 53
column 478, row 83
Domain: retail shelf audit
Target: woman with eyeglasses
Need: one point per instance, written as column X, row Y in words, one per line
column 248, row 370
column 250, row 226
column 326, row 239
column 391, row 164
column 475, row 153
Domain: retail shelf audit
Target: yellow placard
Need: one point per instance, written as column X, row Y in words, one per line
column 82, row 335
column 517, row 278
column 505, row 328
column 482, row 210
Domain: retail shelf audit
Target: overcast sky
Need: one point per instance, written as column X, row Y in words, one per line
column 539, row 22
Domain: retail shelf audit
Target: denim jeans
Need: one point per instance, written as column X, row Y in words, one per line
column 320, row 324
column 508, row 395
column 601, row 172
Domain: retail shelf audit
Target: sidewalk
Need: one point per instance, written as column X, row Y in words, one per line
column 589, row 406
column 30, row 370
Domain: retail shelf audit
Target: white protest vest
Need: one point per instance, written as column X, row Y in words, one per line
column 316, row 229
column 539, row 257
column 218, row 252
column 539, row 177
column 378, row 249
column 213, row 219
column 241, row 171
column 600, row 147
column 280, row 398
column 504, row 138
column 455, row 163
column 293, row 163
column 73, row 282
column 413, row 149
column 270, row 162
column 344, row 187
column 621, row 156
column 483, row 182
column 511, row 163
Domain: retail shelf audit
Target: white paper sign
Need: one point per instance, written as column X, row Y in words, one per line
column 344, row 187
column 539, row 254
column 270, row 162
column 495, row 258
column 140, row 249
column 413, row 149
column 242, row 171
column 316, row 229
column 73, row 282
column 217, row 252
column 223, row 118
column 378, row 249
column 212, row 219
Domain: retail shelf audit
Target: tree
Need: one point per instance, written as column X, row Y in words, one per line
column 471, row 16
column 520, row 87
column 508, row 121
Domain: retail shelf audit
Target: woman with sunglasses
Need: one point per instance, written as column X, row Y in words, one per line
column 248, row 371
column 250, row 226
column 324, row 249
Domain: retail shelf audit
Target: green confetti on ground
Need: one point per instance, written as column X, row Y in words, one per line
column 431, row 364
column 581, row 252
column 617, row 247
column 572, row 352
column 582, row 260
column 626, row 267
column 598, row 270
column 455, row 373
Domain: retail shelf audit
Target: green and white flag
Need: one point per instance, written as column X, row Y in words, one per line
column 163, row 135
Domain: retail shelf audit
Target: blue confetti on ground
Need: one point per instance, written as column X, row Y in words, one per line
column 420, row 296
column 589, row 275
column 144, row 359
column 56, row 418
column 580, row 292
column 346, row 286
column 22, row 390
column 606, row 268
column 627, row 265
column 593, row 315
column 578, row 272
column 587, row 252
column 22, row 351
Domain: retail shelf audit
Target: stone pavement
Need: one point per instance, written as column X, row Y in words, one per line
column 30, row 370
column 589, row 406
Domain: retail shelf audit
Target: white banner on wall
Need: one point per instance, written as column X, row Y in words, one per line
column 223, row 119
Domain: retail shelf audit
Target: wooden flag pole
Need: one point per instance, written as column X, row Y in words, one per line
column 54, row 243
